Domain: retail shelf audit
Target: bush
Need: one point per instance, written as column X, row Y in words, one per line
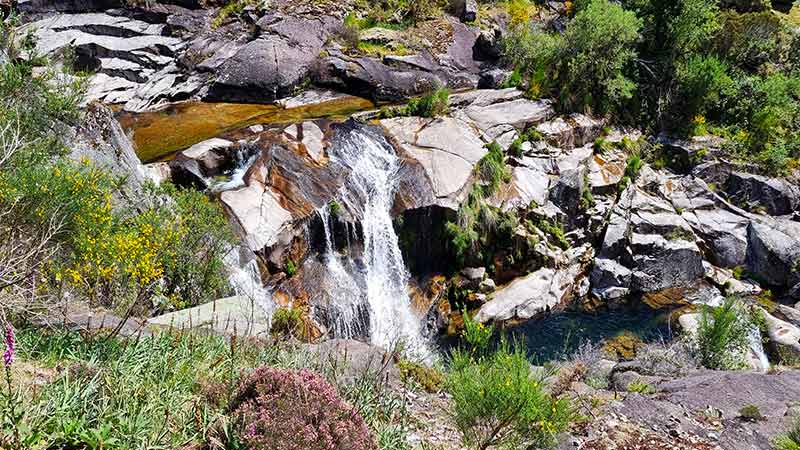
column 429, row 378
column 723, row 337
column 600, row 44
column 434, row 104
column 497, row 402
column 286, row 321
column 286, row 409
column 751, row 413
column 790, row 440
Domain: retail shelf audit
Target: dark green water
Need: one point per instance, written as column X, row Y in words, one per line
column 561, row 334
column 558, row 335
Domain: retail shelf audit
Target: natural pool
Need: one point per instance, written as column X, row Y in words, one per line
column 158, row 134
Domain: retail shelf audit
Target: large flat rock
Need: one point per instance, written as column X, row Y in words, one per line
column 236, row 314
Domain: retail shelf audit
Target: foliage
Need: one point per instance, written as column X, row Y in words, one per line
column 288, row 409
column 475, row 218
column 117, row 394
column 491, row 168
column 722, row 338
column 384, row 411
column 556, row 231
column 641, row 388
column 477, row 335
column 633, row 165
column 790, row 440
column 286, row 321
column 170, row 391
column 497, row 401
column 430, row 379
column 231, row 9
column 535, row 55
column 599, row 43
column 291, row 268
column 434, row 104
column 751, row 413
column 519, row 12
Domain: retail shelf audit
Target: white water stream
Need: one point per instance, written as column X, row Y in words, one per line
column 245, row 279
column 369, row 195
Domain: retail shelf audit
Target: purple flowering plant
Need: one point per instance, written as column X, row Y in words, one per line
column 282, row 409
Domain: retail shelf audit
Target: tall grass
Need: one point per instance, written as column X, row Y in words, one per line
column 722, row 339
column 165, row 392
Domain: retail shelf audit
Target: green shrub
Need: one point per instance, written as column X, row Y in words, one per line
column 556, row 231
column 291, row 268
column 751, row 413
column 286, row 321
column 498, row 402
column 790, row 440
column 641, row 388
column 477, row 335
column 491, row 168
column 600, row 40
column 434, row 104
column 722, row 339
column 429, row 378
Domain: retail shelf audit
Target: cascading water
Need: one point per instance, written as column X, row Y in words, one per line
column 757, row 350
column 244, row 159
column 342, row 287
column 369, row 195
column 245, row 279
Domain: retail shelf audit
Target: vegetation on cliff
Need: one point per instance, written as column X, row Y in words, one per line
column 687, row 67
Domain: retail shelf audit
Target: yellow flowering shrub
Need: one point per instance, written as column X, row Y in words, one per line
column 116, row 254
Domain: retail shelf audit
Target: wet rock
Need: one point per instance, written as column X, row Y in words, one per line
column 538, row 292
column 258, row 215
column 209, row 155
column 774, row 196
column 311, row 136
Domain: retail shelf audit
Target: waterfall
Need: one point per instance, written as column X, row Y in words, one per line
column 345, row 309
column 245, row 278
column 757, row 353
column 369, row 195
column 244, row 159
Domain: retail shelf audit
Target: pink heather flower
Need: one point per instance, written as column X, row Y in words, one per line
column 8, row 356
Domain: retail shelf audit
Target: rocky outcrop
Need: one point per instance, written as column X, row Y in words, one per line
column 540, row 291
column 447, row 149
column 773, row 251
column 774, row 196
column 647, row 247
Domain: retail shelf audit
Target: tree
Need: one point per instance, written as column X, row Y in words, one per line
column 599, row 47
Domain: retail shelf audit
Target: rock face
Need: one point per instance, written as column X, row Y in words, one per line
column 647, row 247
column 447, row 149
column 145, row 56
column 538, row 292
column 775, row 196
column 774, row 251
